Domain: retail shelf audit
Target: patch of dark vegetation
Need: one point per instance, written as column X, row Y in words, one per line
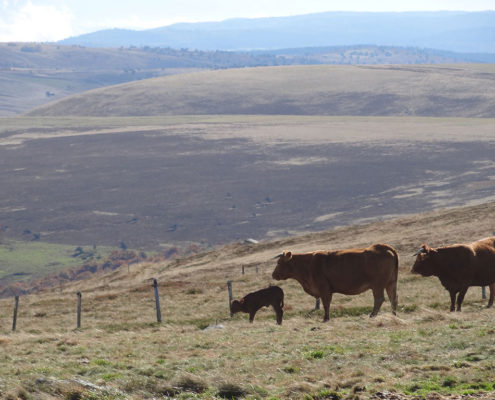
column 191, row 384
column 231, row 391
column 408, row 308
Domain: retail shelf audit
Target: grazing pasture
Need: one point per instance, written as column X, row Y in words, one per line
column 198, row 351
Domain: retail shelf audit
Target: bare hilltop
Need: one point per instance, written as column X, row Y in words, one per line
column 387, row 90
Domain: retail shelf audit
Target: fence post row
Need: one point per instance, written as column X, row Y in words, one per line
column 157, row 301
column 229, row 287
column 16, row 305
column 79, row 297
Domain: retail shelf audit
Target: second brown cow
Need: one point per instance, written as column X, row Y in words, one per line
column 350, row 272
column 459, row 266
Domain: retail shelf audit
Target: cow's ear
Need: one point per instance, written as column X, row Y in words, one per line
column 241, row 301
column 288, row 255
column 427, row 249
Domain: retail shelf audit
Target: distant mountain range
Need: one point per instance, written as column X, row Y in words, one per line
column 465, row 32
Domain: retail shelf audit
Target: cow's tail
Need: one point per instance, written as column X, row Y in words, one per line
column 396, row 256
column 392, row 288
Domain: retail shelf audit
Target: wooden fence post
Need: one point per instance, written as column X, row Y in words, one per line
column 16, row 304
column 79, row 297
column 157, row 301
column 229, row 288
column 243, row 270
column 317, row 304
column 483, row 292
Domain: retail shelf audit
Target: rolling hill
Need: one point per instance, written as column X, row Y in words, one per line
column 386, row 90
column 32, row 74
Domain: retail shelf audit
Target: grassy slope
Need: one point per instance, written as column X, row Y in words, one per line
column 35, row 74
column 457, row 91
column 121, row 353
column 29, row 71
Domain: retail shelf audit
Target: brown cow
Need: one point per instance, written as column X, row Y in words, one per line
column 252, row 302
column 352, row 271
column 459, row 266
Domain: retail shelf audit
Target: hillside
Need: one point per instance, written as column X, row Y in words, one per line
column 156, row 183
column 470, row 32
column 198, row 351
column 423, row 90
column 32, row 74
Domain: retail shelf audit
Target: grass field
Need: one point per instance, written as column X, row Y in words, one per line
column 199, row 352
column 25, row 259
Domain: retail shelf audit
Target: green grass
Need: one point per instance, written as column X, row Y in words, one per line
column 20, row 260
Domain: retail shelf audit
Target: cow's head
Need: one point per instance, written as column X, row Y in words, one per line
column 236, row 306
column 284, row 268
column 425, row 261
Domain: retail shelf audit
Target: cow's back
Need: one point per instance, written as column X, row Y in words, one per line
column 264, row 297
column 353, row 271
column 483, row 262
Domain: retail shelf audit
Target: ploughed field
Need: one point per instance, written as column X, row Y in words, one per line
column 153, row 182
column 198, row 351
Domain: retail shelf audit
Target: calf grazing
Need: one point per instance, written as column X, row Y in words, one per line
column 252, row 302
column 322, row 273
column 459, row 266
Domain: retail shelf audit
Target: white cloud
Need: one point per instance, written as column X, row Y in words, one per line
column 27, row 22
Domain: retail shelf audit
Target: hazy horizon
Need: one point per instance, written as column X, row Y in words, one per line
column 53, row 20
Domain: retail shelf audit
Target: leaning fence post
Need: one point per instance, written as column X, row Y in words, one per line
column 483, row 292
column 14, row 323
column 79, row 296
column 317, row 303
column 229, row 287
column 157, row 301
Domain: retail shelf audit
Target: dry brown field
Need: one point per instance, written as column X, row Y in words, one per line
column 157, row 182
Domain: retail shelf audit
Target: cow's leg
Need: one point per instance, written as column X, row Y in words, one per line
column 492, row 295
column 252, row 313
column 279, row 312
column 326, row 299
column 379, row 298
column 460, row 298
column 392, row 296
column 452, row 299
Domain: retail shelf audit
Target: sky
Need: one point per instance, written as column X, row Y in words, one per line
column 52, row 20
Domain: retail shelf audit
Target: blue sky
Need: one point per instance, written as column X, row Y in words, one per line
column 50, row 20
